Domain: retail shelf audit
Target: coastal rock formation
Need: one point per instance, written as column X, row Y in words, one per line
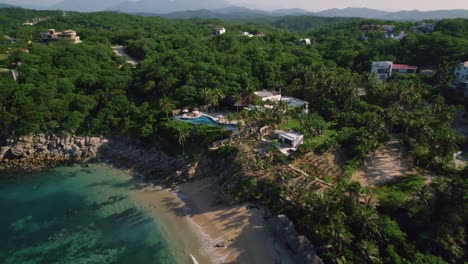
column 300, row 246
column 32, row 152
column 149, row 164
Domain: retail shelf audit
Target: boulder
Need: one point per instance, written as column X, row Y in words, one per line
column 3, row 152
column 16, row 151
column 285, row 232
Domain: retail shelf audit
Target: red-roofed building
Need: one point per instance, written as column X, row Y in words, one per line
column 385, row 69
column 403, row 68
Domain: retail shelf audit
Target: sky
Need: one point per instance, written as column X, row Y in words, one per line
column 311, row 5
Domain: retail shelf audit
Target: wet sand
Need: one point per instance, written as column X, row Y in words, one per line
column 212, row 233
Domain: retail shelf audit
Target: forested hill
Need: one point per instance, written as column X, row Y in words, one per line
column 86, row 89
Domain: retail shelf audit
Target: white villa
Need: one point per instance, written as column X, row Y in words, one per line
column 275, row 97
column 291, row 138
column 305, row 41
column 385, row 69
column 461, row 72
column 269, row 96
column 51, row 34
column 218, row 31
column 246, row 34
column 289, row 141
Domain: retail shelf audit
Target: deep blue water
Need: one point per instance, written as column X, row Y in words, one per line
column 76, row 215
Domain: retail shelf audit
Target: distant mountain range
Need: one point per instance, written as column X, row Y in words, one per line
column 400, row 15
column 245, row 13
column 221, row 9
column 6, row 6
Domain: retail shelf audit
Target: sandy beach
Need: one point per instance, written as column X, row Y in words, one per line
column 211, row 233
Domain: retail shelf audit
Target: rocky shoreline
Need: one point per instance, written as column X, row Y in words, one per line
column 31, row 153
column 153, row 166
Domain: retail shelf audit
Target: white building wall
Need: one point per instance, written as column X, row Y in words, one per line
column 382, row 69
column 461, row 72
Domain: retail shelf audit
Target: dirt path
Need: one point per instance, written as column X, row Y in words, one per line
column 383, row 166
column 119, row 50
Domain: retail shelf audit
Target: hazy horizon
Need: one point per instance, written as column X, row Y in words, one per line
column 311, row 5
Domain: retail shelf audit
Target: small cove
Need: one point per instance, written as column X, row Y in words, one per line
column 90, row 214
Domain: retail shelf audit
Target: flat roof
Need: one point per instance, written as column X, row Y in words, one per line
column 293, row 101
column 266, row 93
column 290, row 134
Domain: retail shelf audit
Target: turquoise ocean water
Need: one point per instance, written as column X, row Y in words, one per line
column 77, row 215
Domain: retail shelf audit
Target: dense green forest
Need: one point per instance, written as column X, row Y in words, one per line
column 86, row 89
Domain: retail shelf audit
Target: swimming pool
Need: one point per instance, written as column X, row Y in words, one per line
column 207, row 121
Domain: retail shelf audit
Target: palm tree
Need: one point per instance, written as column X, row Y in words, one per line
column 370, row 252
column 237, row 99
column 182, row 135
column 438, row 105
column 166, row 105
column 369, row 221
column 215, row 96
column 205, row 95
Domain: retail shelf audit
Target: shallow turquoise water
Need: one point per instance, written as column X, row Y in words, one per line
column 76, row 215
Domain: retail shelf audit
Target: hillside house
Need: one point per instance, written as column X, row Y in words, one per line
column 51, row 34
column 391, row 35
column 423, row 28
column 274, row 97
column 246, row 34
column 385, row 69
column 305, row 41
column 269, row 96
column 387, row 28
column 218, row 31
column 290, row 138
column 403, row 69
column 461, row 72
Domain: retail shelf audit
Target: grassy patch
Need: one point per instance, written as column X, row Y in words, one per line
column 3, row 57
column 4, row 70
column 291, row 124
column 396, row 193
column 319, row 140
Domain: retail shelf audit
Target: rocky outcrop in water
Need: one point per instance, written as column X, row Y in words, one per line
column 34, row 152
column 300, row 246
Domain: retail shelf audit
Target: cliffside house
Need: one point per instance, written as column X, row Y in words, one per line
column 246, row 34
column 291, row 138
column 51, row 34
column 218, row 31
column 385, row 69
